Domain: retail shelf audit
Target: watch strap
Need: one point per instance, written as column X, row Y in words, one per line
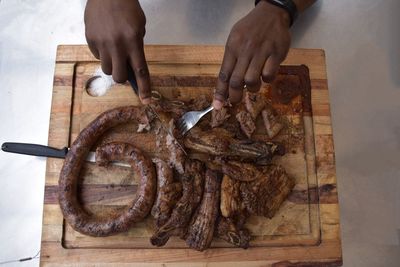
column 288, row 5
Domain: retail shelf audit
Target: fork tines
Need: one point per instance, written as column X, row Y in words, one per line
column 182, row 126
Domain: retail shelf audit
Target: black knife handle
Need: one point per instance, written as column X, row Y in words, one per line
column 132, row 80
column 34, row 150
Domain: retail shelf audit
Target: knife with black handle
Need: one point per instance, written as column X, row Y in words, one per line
column 46, row 151
column 34, row 150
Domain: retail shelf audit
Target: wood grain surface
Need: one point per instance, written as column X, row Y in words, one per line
column 304, row 232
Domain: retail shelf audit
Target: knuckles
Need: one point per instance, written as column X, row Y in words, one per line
column 142, row 72
column 114, row 39
column 252, row 81
column 133, row 35
column 223, row 77
column 220, row 93
column 236, row 83
column 268, row 77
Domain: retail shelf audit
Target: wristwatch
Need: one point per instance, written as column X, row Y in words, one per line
column 287, row 5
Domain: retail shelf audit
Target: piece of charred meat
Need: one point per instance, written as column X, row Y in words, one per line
column 177, row 156
column 229, row 231
column 168, row 193
column 254, row 102
column 230, row 196
column 192, row 186
column 214, row 142
column 272, row 122
column 146, row 125
column 218, row 117
column 174, row 108
column 260, row 196
column 246, row 123
column 166, row 144
column 201, row 229
column 264, row 196
column 241, row 171
column 219, row 142
column 230, row 226
column 199, row 103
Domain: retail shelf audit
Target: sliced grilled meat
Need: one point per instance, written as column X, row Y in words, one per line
column 201, row 230
column 168, row 193
column 192, row 186
column 219, row 142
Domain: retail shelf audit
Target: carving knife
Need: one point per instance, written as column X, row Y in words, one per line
column 47, row 151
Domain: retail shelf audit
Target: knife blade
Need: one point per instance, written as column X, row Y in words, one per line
column 47, row 151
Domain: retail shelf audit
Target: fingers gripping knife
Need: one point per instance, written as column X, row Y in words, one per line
column 185, row 123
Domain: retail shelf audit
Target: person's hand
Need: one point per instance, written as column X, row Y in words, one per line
column 114, row 32
column 256, row 46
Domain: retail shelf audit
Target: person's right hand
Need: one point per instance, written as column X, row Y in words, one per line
column 114, row 32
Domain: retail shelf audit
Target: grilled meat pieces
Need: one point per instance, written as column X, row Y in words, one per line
column 166, row 142
column 231, row 232
column 264, row 196
column 168, row 193
column 199, row 103
column 254, row 102
column 261, row 196
column 246, row 123
column 241, row 171
column 192, row 185
column 218, row 117
column 177, row 156
column 272, row 123
column 230, row 196
column 219, row 142
column 201, row 230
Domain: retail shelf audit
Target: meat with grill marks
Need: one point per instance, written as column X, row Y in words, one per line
column 192, row 184
column 166, row 142
column 218, row 117
column 241, row 171
column 201, row 229
column 246, row 123
column 250, row 184
column 230, row 196
column 220, row 142
column 255, row 103
column 264, row 196
column 230, row 231
column 272, row 122
column 168, row 193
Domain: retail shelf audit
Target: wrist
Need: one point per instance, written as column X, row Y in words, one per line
column 282, row 14
column 287, row 5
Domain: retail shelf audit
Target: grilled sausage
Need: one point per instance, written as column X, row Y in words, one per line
column 72, row 210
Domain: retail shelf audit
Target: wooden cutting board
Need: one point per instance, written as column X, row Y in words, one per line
column 305, row 231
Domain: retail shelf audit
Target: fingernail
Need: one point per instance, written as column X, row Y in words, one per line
column 217, row 104
column 146, row 101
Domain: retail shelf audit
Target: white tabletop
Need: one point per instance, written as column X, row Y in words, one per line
column 362, row 44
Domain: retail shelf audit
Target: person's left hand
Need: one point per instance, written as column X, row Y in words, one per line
column 256, row 46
